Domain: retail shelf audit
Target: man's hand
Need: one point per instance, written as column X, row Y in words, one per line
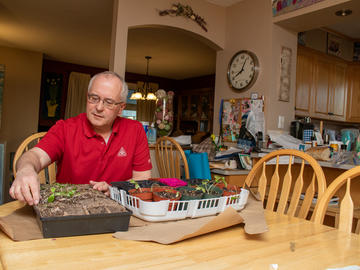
column 26, row 186
column 101, row 186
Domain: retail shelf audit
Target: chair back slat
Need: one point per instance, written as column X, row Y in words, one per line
column 285, row 190
column 262, row 182
column 308, row 198
column 346, row 210
column 26, row 145
column 274, row 185
column 169, row 158
column 287, row 198
column 298, row 186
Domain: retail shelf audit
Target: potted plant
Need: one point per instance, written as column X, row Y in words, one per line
column 209, row 189
column 144, row 194
column 167, row 194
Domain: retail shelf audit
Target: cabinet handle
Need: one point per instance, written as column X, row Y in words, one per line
column 330, row 113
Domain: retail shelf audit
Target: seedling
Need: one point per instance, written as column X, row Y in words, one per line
column 136, row 184
column 220, row 179
column 60, row 190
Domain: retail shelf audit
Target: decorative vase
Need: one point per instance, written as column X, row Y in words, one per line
column 164, row 113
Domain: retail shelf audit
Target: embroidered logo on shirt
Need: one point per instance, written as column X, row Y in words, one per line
column 122, row 152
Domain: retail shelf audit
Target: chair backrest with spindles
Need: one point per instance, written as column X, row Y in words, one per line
column 170, row 157
column 47, row 175
column 292, row 193
column 346, row 210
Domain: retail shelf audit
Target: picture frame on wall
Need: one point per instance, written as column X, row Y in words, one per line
column 2, row 79
column 334, row 45
column 2, row 170
column 285, row 74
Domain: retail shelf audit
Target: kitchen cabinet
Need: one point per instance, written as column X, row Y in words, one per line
column 354, row 93
column 304, row 73
column 195, row 111
column 321, row 86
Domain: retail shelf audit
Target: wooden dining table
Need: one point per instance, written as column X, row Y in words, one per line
column 291, row 243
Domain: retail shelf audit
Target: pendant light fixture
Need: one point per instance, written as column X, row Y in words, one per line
column 145, row 93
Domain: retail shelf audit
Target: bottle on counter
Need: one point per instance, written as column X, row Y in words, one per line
column 151, row 134
column 308, row 130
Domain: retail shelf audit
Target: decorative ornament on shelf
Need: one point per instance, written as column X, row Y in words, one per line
column 164, row 115
column 185, row 11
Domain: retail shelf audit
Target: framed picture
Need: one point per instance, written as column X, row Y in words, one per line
column 285, row 74
column 2, row 78
column 334, row 45
column 52, row 96
column 2, row 170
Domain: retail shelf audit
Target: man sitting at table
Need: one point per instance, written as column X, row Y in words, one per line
column 96, row 147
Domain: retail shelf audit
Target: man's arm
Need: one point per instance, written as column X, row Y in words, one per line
column 144, row 175
column 26, row 186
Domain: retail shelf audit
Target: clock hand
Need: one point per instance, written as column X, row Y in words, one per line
column 241, row 70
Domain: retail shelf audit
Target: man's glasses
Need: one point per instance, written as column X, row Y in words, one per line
column 108, row 103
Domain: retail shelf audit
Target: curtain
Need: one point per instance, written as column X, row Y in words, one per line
column 145, row 109
column 76, row 96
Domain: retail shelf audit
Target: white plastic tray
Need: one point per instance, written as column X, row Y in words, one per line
column 174, row 210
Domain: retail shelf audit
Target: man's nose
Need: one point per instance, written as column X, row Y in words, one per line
column 100, row 105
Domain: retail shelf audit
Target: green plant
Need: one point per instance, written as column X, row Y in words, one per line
column 220, row 179
column 206, row 186
column 136, row 184
column 61, row 190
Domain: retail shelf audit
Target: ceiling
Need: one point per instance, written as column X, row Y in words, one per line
column 78, row 31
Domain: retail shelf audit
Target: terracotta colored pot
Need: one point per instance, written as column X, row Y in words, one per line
column 145, row 194
column 167, row 194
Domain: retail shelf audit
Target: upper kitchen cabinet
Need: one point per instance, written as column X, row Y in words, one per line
column 321, row 86
column 354, row 93
column 304, row 80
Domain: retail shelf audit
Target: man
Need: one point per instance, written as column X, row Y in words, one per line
column 98, row 147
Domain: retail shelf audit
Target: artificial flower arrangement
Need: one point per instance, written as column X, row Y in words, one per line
column 164, row 115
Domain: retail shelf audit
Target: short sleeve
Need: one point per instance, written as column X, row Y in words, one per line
column 53, row 142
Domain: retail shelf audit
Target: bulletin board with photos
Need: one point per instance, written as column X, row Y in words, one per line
column 237, row 112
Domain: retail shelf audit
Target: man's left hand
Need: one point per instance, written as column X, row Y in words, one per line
column 101, row 186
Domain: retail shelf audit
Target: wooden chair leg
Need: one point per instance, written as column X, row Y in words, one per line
column 337, row 220
column 357, row 229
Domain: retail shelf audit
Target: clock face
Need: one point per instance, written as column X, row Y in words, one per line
column 243, row 70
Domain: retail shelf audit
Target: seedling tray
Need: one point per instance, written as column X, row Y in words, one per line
column 161, row 211
column 83, row 224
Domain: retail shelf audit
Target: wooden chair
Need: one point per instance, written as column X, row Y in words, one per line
column 294, row 182
column 47, row 175
column 345, row 218
column 169, row 158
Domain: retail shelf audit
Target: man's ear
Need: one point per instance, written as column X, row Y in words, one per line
column 122, row 107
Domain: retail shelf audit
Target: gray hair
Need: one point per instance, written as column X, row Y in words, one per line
column 124, row 90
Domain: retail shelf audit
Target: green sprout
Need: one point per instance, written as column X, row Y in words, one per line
column 136, row 184
column 60, row 190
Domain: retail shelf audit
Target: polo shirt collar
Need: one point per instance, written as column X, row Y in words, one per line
column 88, row 130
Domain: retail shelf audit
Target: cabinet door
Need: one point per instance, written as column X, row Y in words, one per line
column 321, row 89
column 354, row 94
column 304, row 73
column 338, row 97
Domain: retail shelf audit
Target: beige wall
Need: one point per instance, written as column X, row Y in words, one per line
column 249, row 27
column 20, row 110
column 144, row 12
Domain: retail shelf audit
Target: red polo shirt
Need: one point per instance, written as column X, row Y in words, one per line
column 82, row 155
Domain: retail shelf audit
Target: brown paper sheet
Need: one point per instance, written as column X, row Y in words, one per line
column 174, row 231
column 21, row 225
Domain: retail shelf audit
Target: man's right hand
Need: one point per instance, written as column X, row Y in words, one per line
column 26, row 186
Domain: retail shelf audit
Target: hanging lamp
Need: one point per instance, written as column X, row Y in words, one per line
column 144, row 93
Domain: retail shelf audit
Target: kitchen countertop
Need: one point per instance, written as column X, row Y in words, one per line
column 327, row 164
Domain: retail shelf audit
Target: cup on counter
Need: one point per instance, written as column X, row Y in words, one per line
column 335, row 145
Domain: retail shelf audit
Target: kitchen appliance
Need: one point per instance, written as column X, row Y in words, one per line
column 348, row 137
column 296, row 129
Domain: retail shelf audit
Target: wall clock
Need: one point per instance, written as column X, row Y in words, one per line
column 243, row 70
